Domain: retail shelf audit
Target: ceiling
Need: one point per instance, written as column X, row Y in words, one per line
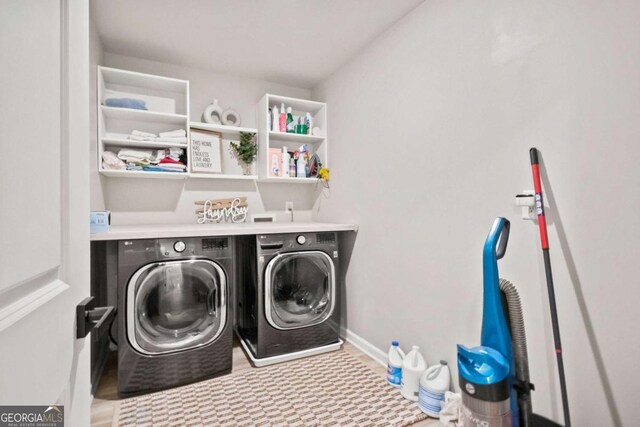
column 294, row 42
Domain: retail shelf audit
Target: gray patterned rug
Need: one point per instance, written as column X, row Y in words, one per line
column 333, row 389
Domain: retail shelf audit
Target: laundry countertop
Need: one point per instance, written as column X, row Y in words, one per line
column 155, row 231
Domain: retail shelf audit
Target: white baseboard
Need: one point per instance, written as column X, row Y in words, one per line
column 364, row 346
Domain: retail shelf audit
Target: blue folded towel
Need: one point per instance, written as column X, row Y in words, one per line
column 136, row 104
column 160, row 169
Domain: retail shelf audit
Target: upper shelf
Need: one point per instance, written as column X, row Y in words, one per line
column 296, row 137
column 224, row 130
column 143, row 115
column 296, row 104
column 132, row 78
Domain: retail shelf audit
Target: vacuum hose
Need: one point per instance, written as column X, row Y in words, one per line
column 519, row 344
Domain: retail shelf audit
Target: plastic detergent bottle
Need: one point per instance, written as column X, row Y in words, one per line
column 285, row 162
column 292, row 168
column 434, row 383
column 282, row 121
column 275, row 119
column 308, row 121
column 291, row 126
column 413, row 366
column 394, row 364
column 301, row 167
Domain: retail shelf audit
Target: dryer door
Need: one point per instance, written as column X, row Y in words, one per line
column 177, row 305
column 300, row 289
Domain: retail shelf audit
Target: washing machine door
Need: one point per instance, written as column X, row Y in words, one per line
column 176, row 305
column 300, row 289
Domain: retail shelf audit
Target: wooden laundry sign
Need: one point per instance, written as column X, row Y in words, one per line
column 206, row 151
column 234, row 210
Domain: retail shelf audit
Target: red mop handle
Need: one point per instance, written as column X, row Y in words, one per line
column 537, row 186
column 542, row 222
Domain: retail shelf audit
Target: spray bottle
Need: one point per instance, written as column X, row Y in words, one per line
column 282, row 121
column 291, row 126
column 301, row 165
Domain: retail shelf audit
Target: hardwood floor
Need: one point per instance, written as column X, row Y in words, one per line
column 104, row 409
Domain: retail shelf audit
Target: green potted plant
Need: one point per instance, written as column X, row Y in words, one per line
column 245, row 151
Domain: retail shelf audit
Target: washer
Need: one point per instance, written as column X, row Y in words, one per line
column 288, row 298
column 174, row 312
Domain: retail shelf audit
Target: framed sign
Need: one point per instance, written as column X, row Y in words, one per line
column 206, row 154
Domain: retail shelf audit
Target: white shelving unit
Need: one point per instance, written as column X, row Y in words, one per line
column 268, row 138
column 230, row 167
column 168, row 109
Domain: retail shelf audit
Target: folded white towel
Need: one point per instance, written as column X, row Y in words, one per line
column 140, row 133
column 173, row 133
column 128, row 154
column 108, row 166
column 142, row 138
column 111, row 161
column 172, row 165
column 172, row 139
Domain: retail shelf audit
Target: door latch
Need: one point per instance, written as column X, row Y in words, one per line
column 90, row 317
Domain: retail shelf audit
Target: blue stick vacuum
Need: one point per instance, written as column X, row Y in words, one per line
column 494, row 377
column 487, row 373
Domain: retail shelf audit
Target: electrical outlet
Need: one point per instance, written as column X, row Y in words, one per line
column 288, row 206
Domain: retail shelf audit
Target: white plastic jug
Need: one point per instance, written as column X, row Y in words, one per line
column 412, row 367
column 434, row 383
column 394, row 364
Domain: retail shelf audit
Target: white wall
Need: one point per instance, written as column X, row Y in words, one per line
column 434, row 121
column 137, row 201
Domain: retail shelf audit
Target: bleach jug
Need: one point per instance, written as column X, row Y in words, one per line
column 394, row 364
column 434, row 383
column 412, row 367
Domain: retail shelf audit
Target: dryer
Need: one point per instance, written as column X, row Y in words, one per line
column 288, row 296
column 174, row 312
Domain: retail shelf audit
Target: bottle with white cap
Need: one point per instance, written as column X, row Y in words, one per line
column 282, row 120
column 291, row 124
column 394, row 364
column 434, row 383
column 275, row 119
column 413, row 366
column 285, row 163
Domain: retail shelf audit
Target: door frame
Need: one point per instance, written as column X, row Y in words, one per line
column 52, row 292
